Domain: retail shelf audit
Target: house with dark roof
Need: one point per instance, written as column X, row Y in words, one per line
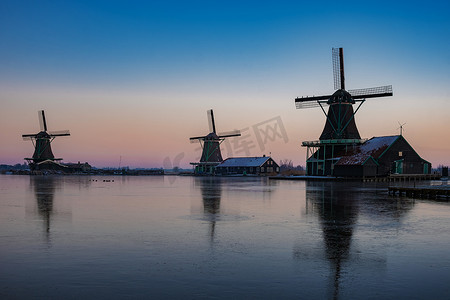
column 380, row 156
column 261, row 166
column 65, row 168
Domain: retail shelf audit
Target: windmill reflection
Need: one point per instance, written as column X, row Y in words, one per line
column 44, row 190
column 338, row 212
column 338, row 206
column 211, row 190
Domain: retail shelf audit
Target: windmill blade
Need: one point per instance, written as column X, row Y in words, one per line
column 338, row 68
column 27, row 137
column 380, row 91
column 211, row 123
column 311, row 102
column 42, row 121
column 59, row 133
column 312, row 98
column 230, row 134
column 197, row 138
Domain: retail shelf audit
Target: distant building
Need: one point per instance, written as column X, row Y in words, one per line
column 62, row 168
column 379, row 156
column 262, row 166
column 78, row 167
column 49, row 165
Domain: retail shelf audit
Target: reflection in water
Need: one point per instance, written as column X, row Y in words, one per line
column 44, row 190
column 338, row 212
column 338, row 207
column 211, row 190
column 48, row 205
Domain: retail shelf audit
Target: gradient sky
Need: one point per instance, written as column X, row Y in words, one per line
column 132, row 80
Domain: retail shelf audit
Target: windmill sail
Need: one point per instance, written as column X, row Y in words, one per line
column 375, row 92
column 42, row 121
column 212, row 125
column 230, row 134
column 59, row 133
column 338, row 68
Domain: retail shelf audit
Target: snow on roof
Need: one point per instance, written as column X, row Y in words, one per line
column 372, row 148
column 244, row 161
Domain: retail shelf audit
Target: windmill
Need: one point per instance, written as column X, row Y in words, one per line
column 211, row 155
column 42, row 141
column 340, row 128
column 340, row 119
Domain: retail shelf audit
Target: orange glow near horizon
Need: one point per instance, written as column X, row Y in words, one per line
column 145, row 138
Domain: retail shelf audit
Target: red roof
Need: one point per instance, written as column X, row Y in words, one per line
column 372, row 148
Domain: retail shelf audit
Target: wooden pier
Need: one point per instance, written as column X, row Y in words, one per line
column 403, row 178
column 429, row 192
column 390, row 178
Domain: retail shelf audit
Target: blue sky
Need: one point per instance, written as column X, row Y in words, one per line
column 145, row 71
column 120, row 41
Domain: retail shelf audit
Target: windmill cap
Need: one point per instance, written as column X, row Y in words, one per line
column 341, row 96
column 212, row 136
column 43, row 135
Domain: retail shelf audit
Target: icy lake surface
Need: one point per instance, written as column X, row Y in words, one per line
column 161, row 237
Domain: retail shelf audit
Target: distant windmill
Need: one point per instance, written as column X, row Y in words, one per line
column 42, row 140
column 211, row 155
column 340, row 123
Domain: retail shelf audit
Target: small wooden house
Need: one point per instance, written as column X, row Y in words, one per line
column 381, row 156
column 261, row 166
